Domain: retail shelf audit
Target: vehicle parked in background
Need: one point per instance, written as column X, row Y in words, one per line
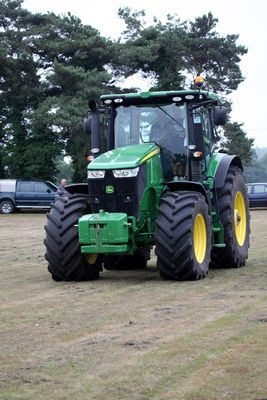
column 25, row 193
column 257, row 194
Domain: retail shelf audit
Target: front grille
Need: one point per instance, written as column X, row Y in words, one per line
column 125, row 197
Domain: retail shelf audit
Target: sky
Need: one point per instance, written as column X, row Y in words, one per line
column 246, row 18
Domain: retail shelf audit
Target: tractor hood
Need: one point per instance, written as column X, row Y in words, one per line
column 124, row 157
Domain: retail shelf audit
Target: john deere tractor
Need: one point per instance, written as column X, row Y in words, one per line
column 161, row 183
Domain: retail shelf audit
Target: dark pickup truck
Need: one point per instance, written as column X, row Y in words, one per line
column 22, row 193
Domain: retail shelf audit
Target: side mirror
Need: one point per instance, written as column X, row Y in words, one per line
column 92, row 126
column 219, row 115
column 91, row 122
column 87, row 125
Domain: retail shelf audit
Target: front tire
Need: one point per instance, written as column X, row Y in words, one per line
column 183, row 236
column 63, row 252
column 234, row 215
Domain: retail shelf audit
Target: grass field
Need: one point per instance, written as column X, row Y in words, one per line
column 129, row 335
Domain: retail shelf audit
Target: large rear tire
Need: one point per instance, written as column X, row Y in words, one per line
column 63, row 252
column 234, row 215
column 183, row 236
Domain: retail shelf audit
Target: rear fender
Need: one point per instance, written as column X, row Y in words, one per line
column 223, row 167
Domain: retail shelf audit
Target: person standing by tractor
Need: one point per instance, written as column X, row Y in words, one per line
column 61, row 190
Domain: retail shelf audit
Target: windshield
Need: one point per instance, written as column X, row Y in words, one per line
column 162, row 124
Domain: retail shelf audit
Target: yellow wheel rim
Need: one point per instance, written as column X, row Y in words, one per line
column 200, row 238
column 240, row 217
column 90, row 258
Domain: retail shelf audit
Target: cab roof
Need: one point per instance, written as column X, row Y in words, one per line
column 172, row 96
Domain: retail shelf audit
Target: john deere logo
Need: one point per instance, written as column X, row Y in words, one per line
column 109, row 189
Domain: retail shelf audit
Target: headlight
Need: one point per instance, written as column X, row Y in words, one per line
column 125, row 173
column 95, row 174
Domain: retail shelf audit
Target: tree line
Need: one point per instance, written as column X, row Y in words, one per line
column 50, row 65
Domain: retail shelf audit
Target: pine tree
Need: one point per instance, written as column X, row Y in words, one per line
column 237, row 142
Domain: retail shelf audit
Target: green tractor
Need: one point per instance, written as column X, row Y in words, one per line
column 160, row 183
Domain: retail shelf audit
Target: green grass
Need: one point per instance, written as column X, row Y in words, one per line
column 129, row 335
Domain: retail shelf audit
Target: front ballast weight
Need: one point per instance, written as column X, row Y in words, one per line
column 105, row 232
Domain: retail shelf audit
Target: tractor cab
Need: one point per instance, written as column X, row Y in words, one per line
column 181, row 123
